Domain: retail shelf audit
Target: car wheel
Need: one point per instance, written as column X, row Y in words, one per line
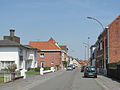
column 95, row 76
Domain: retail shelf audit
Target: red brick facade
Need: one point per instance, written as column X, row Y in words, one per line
column 50, row 59
column 50, row 53
column 114, row 40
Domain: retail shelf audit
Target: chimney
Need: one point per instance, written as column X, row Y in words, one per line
column 12, row 32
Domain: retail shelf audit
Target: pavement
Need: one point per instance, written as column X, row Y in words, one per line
column 29, row 82
column 108, row 83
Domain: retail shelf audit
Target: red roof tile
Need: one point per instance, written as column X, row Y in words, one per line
column 51, row 40
column 44, row 45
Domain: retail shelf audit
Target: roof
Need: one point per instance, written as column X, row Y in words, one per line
column 30, row 47
column 51, row 40
column 8, row 43
column 44, row 45
column 78, row 61
column 63, row 47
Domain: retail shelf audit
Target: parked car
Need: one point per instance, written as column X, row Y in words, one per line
column 73, row 65
column 82, row 68
column 70, row 67
column 90, row 71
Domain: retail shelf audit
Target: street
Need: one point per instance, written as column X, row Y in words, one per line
column 69, row 80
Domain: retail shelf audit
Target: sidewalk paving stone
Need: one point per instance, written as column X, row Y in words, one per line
column 108, row 83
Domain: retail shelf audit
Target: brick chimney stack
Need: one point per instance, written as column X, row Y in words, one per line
column 12, row 32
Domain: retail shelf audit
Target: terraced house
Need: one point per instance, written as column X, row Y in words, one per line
column 108, row 46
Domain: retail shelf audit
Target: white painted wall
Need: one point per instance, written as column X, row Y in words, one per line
column 9, row 54
column 13, row 54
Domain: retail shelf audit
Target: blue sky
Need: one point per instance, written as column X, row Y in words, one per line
column 64, row 20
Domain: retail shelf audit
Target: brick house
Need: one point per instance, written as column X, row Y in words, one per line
column 108, row 45
column 50, row 53
column 64, row 51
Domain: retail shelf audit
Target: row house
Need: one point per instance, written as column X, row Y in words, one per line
column 11, row 51
column 93, row 55
column 64, row 51
column 108, row 46
column 77, row 62
column 51, row 54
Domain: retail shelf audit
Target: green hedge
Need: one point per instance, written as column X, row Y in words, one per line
column 1, row 79
column 113, row 65
column 46, row 68
column 38, row 69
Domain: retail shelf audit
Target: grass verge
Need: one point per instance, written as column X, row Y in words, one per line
column 1, row 79
column 33, row 73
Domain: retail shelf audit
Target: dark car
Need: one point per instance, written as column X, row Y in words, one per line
column 70, row 67
column 90, row 71
column 82, row 68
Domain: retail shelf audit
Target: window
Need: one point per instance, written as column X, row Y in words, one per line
column 42, row 55
column 101, row 47
column 41, row 64
column 2, row 63
column 6, row 63
column 21, row 58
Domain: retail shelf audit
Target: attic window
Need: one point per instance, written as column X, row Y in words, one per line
column 42, row 55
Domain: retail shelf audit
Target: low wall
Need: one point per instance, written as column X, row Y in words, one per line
column 114, row 73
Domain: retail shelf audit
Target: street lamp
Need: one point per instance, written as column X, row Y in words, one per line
column 97, row 21
column 104, row 40
column 87, row 46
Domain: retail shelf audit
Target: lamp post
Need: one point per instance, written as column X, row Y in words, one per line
column 104, row 41
column 96, row 21
column 85, row 52
column 87, row 46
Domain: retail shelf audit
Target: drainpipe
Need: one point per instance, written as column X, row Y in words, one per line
column 108, row 43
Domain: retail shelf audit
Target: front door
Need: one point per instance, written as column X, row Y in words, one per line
column 42, row 64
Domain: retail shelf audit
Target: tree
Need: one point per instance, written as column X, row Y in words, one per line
column 11, row 69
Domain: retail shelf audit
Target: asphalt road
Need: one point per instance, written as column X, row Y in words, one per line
column 69, row 80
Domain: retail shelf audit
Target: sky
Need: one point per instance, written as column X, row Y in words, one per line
column 64, row 20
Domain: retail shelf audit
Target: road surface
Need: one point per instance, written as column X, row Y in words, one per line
column 69, row 80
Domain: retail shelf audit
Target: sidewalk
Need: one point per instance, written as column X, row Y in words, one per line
column 108, row 83
column 31, row 81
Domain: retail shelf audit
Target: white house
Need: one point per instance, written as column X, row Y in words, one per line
column 93, row 55
column 23, row 56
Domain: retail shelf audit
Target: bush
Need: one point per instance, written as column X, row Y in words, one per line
column 46, row 68
column 65, row 64
column 31, row 69
column 37, row 69
column 112, row 65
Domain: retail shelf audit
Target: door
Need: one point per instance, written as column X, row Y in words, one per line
column 42, row 64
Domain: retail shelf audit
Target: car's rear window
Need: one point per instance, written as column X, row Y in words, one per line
column 90, row 68
column 93, row 69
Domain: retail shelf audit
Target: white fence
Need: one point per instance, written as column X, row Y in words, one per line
column 7, row 77
column 46, row 71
